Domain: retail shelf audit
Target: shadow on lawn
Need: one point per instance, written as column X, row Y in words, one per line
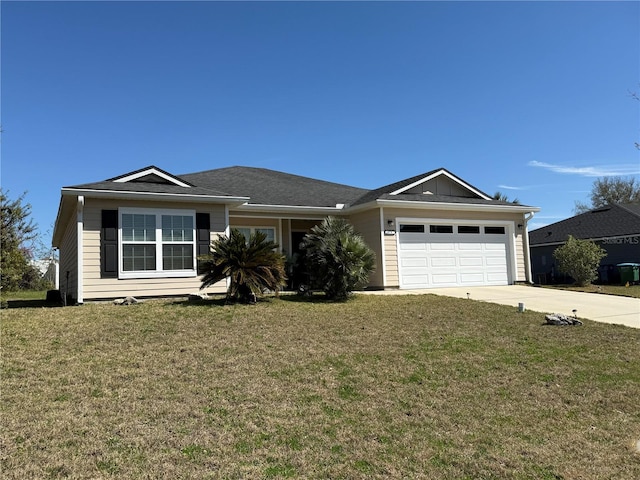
column 284, row 296
column 37, row 303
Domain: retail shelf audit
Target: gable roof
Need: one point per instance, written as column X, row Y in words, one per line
column 606, row 222
column 270, row 187
column 149, row 181
column 150, row 174
column 260, row 188
column 394, row 190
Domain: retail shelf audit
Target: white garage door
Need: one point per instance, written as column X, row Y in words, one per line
column 437, row 255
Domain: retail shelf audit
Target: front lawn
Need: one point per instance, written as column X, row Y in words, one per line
column 621, row 290
column 378, row 387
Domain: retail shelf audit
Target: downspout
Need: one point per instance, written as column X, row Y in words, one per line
column 527, row 252
column 80, row 233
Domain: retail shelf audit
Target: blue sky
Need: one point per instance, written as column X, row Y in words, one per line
column 528, row 98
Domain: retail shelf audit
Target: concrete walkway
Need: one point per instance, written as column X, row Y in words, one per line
column 593, row 306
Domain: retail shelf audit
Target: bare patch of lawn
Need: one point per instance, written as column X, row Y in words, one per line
column 377, row 387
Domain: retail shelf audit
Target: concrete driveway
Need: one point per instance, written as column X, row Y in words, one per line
column 593, row 306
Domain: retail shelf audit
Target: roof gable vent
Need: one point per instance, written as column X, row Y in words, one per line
column 151, row 175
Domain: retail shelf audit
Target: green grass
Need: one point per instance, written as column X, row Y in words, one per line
column 378, row 387
column 620, row 290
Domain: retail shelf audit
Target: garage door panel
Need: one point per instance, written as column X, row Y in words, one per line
column 472, row 278
column 496, row 261
column 442, row 279
column 415, row 272
column 443, row 261
column 497, row 278
column 470, row 246
column 442, row 246
column 429, row 260
column 416, row 246
column 414, row 254
column 471, row 262
column 417, row 281
column 414, row 262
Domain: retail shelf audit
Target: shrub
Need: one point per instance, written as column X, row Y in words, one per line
column 339, row 260
column 579, row 259
column 252, row 266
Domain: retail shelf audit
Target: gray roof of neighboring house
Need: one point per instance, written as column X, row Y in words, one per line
column 605, row 222
column 269, row 187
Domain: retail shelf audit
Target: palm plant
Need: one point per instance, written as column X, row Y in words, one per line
column 339, row 260
column 251, row 266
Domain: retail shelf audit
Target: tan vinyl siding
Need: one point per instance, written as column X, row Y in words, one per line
column 96, row 287
column 521, row 270
column 367, row 224
column 69, row 260
column 391, row 261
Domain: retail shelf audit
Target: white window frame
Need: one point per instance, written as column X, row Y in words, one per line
column 158, row 272
column 253, row 230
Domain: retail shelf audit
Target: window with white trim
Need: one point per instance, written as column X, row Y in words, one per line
column 270, row 232
column 156, row 243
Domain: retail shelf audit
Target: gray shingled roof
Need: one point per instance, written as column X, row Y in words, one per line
column 433, row 198
column 606, row 222
column 270, row 187
column 382, row 192
column 149, row 188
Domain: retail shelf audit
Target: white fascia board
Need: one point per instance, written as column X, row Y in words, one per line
column 469, row 207
column 259, row 208
column 153, row 171
column 155, row 196
column 437, row 174
column 57, row 234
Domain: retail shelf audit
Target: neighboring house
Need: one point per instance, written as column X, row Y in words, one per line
column 616, row 228
column 140, row 233
column 48, row 268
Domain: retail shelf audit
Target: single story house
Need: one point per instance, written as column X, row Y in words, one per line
column 140, row 233
column 616, row 228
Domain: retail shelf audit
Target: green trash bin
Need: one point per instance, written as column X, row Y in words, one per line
column 629, row 272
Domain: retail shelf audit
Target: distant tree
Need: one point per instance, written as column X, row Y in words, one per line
column 609, row 190
column 579, row 259
column 251, row 266
column 503, row 198
column 338, row 259
column 17, row 231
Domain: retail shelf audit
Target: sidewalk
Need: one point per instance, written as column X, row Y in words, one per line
column 601, row 308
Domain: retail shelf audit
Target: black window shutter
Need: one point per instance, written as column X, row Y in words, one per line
column 109, row 244
column 203, row 239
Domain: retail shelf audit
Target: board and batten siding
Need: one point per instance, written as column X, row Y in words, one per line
column 96, row 288
column 367, row 224
column 391, row 254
